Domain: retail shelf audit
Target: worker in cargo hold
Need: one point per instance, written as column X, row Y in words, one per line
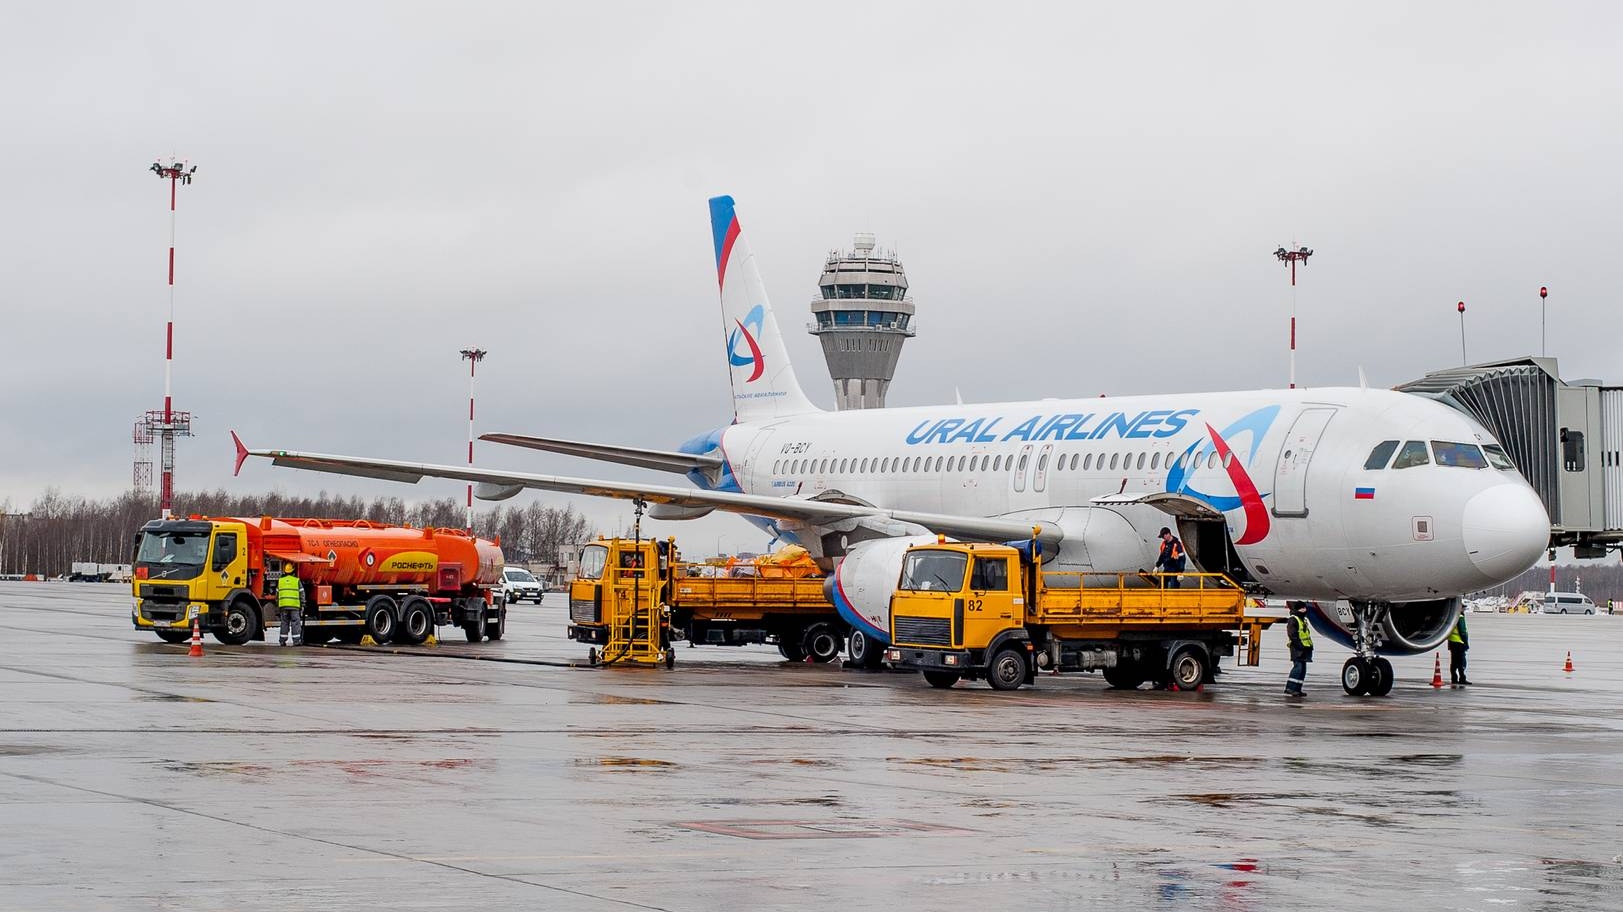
column 1300, row 633
column 290, row 602
column 1459, row 640
column 1171, row 559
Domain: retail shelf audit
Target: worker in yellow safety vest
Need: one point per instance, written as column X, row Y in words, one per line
column 290, row 602
column 1300, row 633
column 1459, row 640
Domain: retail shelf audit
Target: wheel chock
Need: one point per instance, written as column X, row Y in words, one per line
column 432, row 641
column 368, row 641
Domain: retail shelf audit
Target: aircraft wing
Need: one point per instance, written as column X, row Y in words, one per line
column 809, row 511
column 662, row 460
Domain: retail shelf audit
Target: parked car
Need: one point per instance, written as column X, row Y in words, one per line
column 519, row 584
column 1567, row 603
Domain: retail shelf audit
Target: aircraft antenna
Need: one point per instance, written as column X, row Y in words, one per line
column 166, row 424
column 1299, row 255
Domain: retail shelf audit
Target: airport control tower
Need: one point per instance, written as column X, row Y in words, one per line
column 862, row 318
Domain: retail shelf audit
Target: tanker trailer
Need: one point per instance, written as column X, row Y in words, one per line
column 394, row 583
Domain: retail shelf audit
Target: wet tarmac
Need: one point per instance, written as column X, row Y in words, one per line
column 134, row 777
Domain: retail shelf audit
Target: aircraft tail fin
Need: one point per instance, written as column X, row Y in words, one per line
column 764, row 383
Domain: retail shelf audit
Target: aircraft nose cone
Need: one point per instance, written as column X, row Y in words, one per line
column 1505, row 530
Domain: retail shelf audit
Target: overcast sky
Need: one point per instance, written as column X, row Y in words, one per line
column 1085, row 197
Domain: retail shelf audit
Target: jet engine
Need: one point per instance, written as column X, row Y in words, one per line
column 863, row 581
column 1413, row 627
column 1406, row 628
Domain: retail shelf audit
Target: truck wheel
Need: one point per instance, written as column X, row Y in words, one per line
column 380, row 619
column 942, row 679
column 821, row 642
column 316, row 636
column 416, row 623
column 1124, row 677
column 472, row 631
column 1188, row 670
column 238, row 626
column 1007, row 670
column 174, row 636
column 496, row 627
column 791, row 651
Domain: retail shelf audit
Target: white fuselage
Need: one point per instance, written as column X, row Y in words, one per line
column 1285, row 468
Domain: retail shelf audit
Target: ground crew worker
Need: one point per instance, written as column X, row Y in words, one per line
column 1171, row 559
column 1301, row 639
column 1459, row 640
column 290, row 602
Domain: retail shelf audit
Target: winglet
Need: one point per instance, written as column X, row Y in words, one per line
column 242, row 454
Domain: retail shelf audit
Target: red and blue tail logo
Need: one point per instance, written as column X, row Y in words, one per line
column 747, row 330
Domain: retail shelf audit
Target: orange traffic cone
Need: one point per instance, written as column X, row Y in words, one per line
column 1437, row 669
column 1568, row 667
column 196, row 651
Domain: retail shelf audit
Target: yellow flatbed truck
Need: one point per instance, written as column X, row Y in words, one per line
column 970, row 611
column 699, row 607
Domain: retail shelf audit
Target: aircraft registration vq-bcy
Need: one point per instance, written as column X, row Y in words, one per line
column 1380, row 508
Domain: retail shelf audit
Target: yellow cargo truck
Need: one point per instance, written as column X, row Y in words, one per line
column 699, row 606
column 970, row 611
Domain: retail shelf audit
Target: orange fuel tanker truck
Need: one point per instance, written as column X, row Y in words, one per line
column 358, row 578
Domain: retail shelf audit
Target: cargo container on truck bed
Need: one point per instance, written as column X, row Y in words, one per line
column 357, row 578
column 969, row 611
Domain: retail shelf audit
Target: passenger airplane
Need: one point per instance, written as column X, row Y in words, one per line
column 1381, row 508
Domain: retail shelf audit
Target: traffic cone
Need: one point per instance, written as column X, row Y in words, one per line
column 1437, row 669
column 1568, row 667
column 196, row 651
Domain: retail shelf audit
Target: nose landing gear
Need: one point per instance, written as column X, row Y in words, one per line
column 1367, row 674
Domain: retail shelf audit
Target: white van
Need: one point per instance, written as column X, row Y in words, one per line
column 1567, row 603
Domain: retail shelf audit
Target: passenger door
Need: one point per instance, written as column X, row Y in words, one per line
column 1290, row 475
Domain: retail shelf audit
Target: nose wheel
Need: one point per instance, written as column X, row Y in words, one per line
column 1367, row 674
column 1367, row 677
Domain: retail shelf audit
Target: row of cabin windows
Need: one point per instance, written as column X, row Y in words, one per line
column 1444, row 453
column 1067, row 462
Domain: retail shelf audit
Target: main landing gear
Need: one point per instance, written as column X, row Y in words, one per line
column 1367, row 673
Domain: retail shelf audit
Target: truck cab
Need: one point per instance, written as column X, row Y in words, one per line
column 186, row 567
column 619, row 599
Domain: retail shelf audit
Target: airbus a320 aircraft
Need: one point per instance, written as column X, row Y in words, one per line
column 1380, row 508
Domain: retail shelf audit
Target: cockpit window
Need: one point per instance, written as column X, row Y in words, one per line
column 1497, row 457
column 1381, row 455
column 1413, row 454
column 1458, row 455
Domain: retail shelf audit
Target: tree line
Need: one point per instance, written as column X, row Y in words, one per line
column 59, row 529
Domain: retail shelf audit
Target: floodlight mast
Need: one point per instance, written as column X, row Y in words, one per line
column 473, row 356
column 169, row 424
column 1293, row 257
column 1463, row 360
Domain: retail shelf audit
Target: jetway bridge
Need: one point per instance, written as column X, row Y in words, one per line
column 1566, row 437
